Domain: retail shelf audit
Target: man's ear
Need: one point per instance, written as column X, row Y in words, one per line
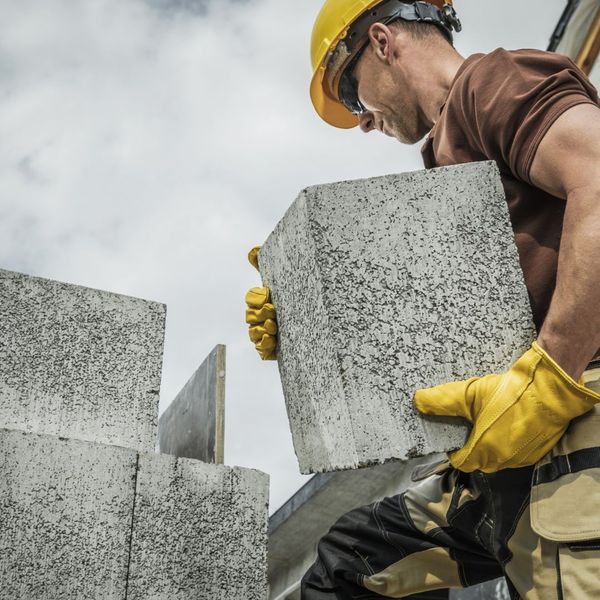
column 381, row 39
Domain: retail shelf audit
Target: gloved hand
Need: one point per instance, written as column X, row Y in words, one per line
column 517, row 417
column 260, row 315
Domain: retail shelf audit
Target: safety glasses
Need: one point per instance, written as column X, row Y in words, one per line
column 348, row 90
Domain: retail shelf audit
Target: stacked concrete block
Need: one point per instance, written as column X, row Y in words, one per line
column 86, row 511
column 193, row 426
column 199, row 531
column 65, row 509
column 78, row 362
column 384, row 286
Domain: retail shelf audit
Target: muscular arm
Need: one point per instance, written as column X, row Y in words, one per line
column 567, row 165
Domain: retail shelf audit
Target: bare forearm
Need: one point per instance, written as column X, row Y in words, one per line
column 571, row 332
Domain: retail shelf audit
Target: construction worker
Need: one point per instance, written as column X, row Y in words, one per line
column 522, row 498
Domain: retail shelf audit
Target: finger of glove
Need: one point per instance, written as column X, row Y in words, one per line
column 257, row 297
column 496, row 450
column 475, row 457
column 255, row 316
column 453, row 399
column 257, row 332
column 268, row 355
column 458, row 461
column 267, row 344
column 270, row 326
column 253, row 257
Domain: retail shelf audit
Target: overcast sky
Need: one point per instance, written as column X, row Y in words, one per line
column 146, row 145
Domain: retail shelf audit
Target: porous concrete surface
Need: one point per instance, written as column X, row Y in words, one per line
column 200, row 531
column 65, row 514
column 78, row 362
column 193, row 424
column 384, row 286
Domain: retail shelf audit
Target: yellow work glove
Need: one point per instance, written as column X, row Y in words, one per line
column 517, row 417
column 260, row 315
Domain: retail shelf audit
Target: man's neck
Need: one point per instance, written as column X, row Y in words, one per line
column 433, row 96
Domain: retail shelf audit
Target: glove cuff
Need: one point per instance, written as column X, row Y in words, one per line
column 586, row 397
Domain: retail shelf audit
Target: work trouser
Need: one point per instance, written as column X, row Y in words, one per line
column 539, row 526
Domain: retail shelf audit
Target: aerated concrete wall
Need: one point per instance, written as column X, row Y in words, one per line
column 384, row 286
column 199, row 531
column 66, row 510
column 84, row 520
column 85, row 513
column 78, row 362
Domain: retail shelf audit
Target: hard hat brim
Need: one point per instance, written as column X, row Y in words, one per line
column 330, row 110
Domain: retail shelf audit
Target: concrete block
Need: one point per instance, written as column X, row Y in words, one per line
column 193, row 424
column 387, row 285
column 78, row 362
column 65, row 510
column 199, row 531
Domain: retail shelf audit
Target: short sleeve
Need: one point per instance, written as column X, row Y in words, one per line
column 509, row 100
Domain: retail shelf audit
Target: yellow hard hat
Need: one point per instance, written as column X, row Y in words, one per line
column 343, row 21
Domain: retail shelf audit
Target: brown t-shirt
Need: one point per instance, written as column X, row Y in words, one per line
column 499, row 108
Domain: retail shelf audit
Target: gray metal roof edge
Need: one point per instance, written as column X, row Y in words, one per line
column 310, row 489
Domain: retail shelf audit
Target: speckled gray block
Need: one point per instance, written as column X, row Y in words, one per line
column 384, row 286
column 193, row 424
column 200, row 531
column 65, row 518
column 78, row 362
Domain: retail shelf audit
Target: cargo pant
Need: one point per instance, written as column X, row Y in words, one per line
column 539, row 526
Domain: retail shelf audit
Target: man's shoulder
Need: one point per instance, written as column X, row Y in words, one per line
column 502, row 63
column 500, row 54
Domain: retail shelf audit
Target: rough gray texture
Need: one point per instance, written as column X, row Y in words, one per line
column 193, row 424
column 200, row 531
column 490, row 590
column 78, row 362
column 65, row 514
column 68, row 509
column 384, row 286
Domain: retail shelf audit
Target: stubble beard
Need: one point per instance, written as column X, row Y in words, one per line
column 406, row 126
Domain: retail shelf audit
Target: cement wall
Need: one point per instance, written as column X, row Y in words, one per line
column 384, row 286
column 85, row 520
column 65, row 509
column 199, row 532
column 78, row 362
column 89, row 521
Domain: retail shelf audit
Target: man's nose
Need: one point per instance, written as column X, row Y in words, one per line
column 366, row 122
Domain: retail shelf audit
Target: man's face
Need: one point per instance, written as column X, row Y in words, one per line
column 391, row 107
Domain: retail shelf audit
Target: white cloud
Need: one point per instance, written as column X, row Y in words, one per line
column 146, row 146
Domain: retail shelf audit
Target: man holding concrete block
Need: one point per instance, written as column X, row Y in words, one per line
column 521, row 498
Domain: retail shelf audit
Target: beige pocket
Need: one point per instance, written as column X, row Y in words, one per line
column 565, row 493
column 578, row 567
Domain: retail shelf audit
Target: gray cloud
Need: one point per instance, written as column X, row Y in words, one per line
column 194, row 7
